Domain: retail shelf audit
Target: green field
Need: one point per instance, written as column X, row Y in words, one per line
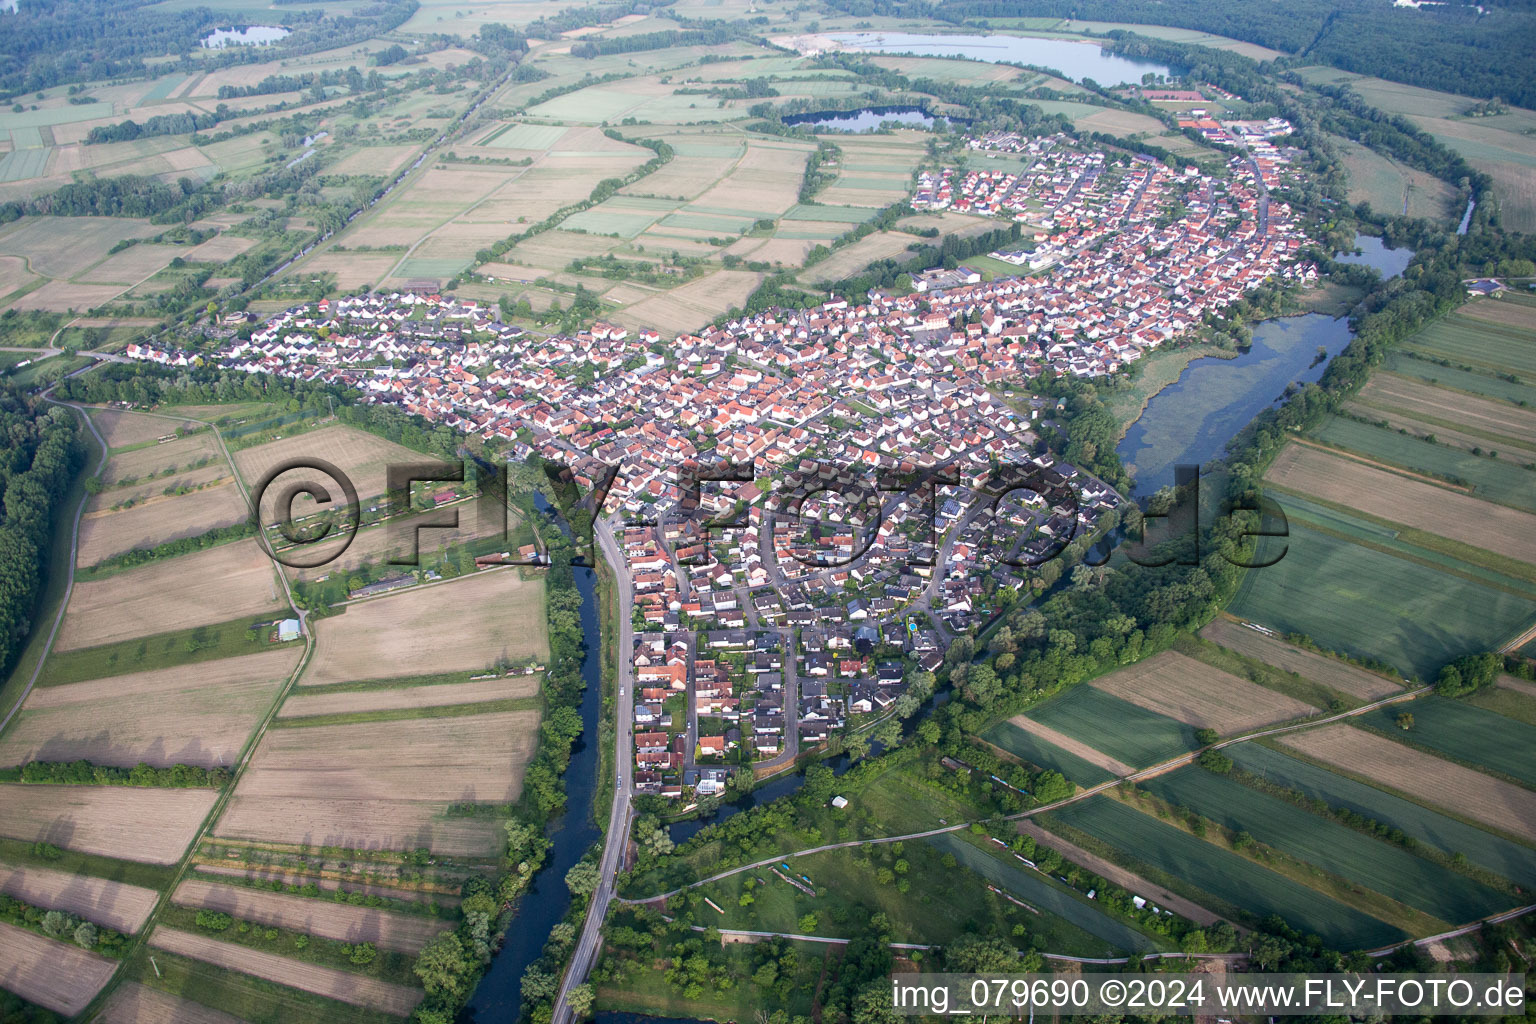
column 1501, row 856
column 21, row 164
column 1498, row 480
column 1045, row 754
column 252, row 999
column 1042, row 893
column 524, row 136
column 1458, row 379
column 840, row 214
column 1339, row 849
column 163, row 650
column 1117, row 727
column 1367, row 603
column 1225, row 875
column 1466, row 733
column 1478, row 343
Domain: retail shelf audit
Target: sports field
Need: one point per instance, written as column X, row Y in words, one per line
column 1335, row 848
column 1432, row 828
column 1119, row 728
column 1225, row 875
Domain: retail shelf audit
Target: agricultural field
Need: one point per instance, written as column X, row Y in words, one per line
column 143, row 459
column 1331, row 672
column 324, row 981
column 362, row 456
column 1227, row 876
column 64, row 253
column 170, row 716
column 384, row 784
column 467, row 625
column 132, row 1003
column 1025, row 738
column 1198, row 695
column 113, row 905
column 193, row 590
column 1436, row 830
column 1489, row 342
column 1497, row 480
column 155, row 521
column 1380, row 761
column 1394, row 188
column 1413, row 503
column 399, row 698
column 121, row 429
column 57, row 975
column 1131, row 734
column 152, row 826
column 404, row 933
column 1330, row 846
column 1466, row 734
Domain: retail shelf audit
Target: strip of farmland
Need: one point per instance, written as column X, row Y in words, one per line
column 1132, row 735
column 1030, row 745
column 325, row 918
column 1196, row 694
column 1467, row 733
column 325, row 981
column 150, row 825
column 132, row 1003
column 398, row 697
column 1331, row 672
column 57, row 975
column 1469, row 794
column 121, row 907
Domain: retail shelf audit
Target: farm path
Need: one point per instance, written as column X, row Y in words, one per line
column 74, row 550
column 1082, row 794
column 237, row 770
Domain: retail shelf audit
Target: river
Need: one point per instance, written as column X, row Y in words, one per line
column 1075, row 59
column 499, row 994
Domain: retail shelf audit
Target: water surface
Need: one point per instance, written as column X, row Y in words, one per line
column 1075, row 59
column 1372, row 252
column 250, row 35
column 865, row 120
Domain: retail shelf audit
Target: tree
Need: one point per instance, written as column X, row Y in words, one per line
column 1405, row 720
column 86, row 935
column 580, row 1000
column 363, row 953
column 582, row 879
column 55, row 922
column 442, row 966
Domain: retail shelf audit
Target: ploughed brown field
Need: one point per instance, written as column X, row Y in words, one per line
column 467, row 625
column 151, row 825
column 325, row 885
column 340, row 985
column 157, row 520
column 201, row 589
column 120, row 428
column 195, row 714
column 406, row 933
column 1468, row 793
column 142, row 463
column 1331, row 672
column 58, row 975
column 132, row 1003
column 1199, row 695
column 1071, row 746
column 118, row 906
column 389, row 698
column 1423, row 506
column 1417, row 398
column 362, row 456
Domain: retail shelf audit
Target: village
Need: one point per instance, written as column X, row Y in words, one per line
column 760, row 640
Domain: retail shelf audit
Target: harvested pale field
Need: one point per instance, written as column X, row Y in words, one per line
column 219, row 248
column 156, row 459
column 765, row 181
column 465, row 625
column 697, row 303
column 361, row 825
column 406, row 933
column 132, row 1003
column 1509, row 532
column 1199, row 695
column 149, row 825
column 328, row 885
column 362, row 456
column 1331, row 672
column 65, row 297
column 1507, row 314
column 1072, row 746
column 198, row 714
column 788, row 251
column 107, row 533
column 852, row 259
column 153, row 490
column 131, row 265
column 14, row 274
column 58, row 975
column 375, row 544
column 325, row 981
column 1518, row 685
column 114, row 905
column 353, row 269
column 216, row 585
column 393, row 698
column 1470, row 794
column 120, row 429
column 1417, row 398
column 380, row 161
column 475, row 758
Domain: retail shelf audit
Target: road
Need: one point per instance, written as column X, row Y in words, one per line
column 590, row 943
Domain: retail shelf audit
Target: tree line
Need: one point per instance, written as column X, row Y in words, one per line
column 85, row 773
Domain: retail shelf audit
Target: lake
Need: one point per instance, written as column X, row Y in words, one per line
column 1076, row 60
column 1191, row 420
column 1372, row 252
column 865, row 120
column 250, row 35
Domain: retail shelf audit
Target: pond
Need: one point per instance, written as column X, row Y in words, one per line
column 1074, row 59
column 499, row 994
column 249, row 35
column 1372, row 252
column 865, row 120
column 1191, row 420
